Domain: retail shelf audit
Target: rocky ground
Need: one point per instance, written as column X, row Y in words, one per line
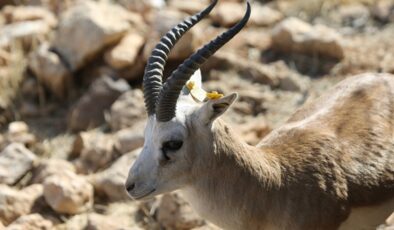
column 71, row 105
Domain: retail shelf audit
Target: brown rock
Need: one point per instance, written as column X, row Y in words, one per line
column 174, row 213
column 264, row 16
column 88, row 112
column 126, row 52
column 127, row 110
column 110, row 182
column 29, row 13
column 190, row 7
column 49, row 167
column 101, row 222
column 294, row 35
column 50, row 71
column 95, row 151
column 31, row 222
column 390, row 220
column 127, row 140
column 68, row 193
column 228, row 13
column 95, row 26
column 14, row 203
column 15, row 161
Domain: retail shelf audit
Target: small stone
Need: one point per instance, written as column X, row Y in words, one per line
column 390, row 220
column 49, row 167
column 29, row 13
column 68, row 193
column 95, row 151
column 174, row 213
column 31, row 222
column 17, row 127
column 88, row 112
column 14, row 203
column 110, row 181
column 95, row 26
column 101, row 222
column 126, row 52
column 294, row 35
column 15, row 161
column 50, row 71
column 127, row 110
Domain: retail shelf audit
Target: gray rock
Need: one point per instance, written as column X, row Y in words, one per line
column 15, row 161
column 88, row 112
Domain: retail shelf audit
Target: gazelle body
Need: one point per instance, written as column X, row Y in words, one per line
column 332, row 155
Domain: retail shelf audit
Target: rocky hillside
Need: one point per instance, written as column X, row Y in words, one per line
column 71, row 106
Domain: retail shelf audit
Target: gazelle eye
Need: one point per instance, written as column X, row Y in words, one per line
column 170, row 146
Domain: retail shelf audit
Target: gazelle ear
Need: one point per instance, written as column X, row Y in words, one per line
column 215, row 108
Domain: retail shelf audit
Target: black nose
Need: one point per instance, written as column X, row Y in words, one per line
column 130, row 187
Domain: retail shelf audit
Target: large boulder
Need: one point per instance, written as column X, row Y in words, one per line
column 91, row 26
column 50, row 71
column 49, row 167
column 88, row 112
column 294, row 35
column 125, row 53
column 15, row 161
column 68, row 193
column 128, row 110
column 14, row 203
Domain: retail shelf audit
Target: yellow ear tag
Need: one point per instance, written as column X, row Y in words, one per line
column 197, row 93
column 214, row 95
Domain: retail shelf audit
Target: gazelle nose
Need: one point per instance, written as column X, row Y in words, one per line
column 130, row 186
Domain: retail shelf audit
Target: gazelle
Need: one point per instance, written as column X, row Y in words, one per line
column 333, row 158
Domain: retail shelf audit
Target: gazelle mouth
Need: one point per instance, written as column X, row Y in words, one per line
column 144, row 195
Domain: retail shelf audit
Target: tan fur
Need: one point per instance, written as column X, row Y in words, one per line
column 333, row 155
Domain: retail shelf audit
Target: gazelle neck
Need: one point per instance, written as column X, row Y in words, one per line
column 228, row 174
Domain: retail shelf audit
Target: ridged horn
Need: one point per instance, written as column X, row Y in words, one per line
column 152, row 81
column 169, row 94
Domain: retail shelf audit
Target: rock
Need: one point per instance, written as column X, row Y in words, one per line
column 383, row 11
column 189, row 7
column 49, row 167
column 14, row 203
column 228, row 13
column 101, row 222
column 255, row 71
column 50, row 71
column 127, row 110
column 264, row 16
column 31, row 222
column 88, row 112
column 17, row 127
column 174, row 213
column 68, row 193
column 95, row 26
column 110, row 182
column 15, row 161
column 126, row 52
column 95, row 151
column 14, row 14
column 162, row 22
column 390, row 220
column 354, row 15
column 26, row 32
column 127, row 140
column 294, row 35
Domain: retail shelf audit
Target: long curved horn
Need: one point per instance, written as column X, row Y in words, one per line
column 169, row 94
column 153, row 75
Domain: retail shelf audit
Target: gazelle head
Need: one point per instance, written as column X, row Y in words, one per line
column 178, row 127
